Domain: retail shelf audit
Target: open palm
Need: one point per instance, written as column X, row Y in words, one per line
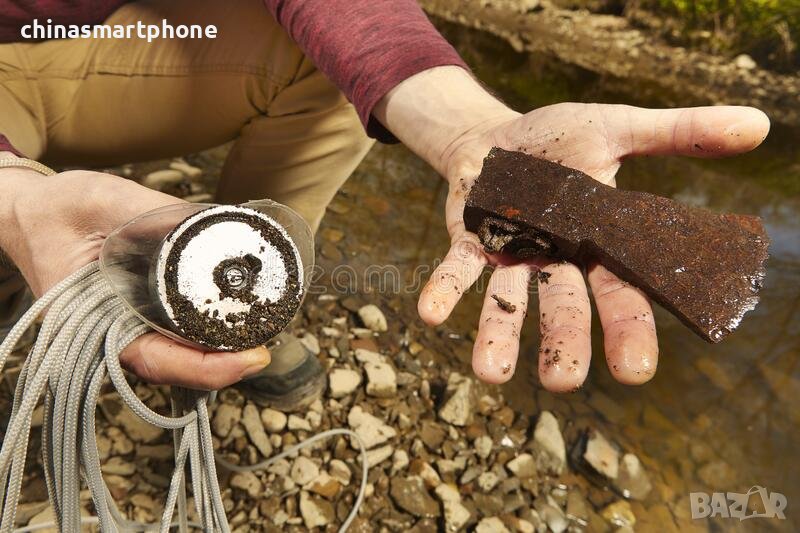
column 595, row 139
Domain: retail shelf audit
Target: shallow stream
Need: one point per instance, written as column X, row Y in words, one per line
column 722, row 417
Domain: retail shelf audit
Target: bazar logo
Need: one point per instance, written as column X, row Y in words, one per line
column 738, row 505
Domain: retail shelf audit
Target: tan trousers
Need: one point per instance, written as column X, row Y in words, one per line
column 94, row 103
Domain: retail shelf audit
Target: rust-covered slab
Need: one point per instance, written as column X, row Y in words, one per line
column 704, row 268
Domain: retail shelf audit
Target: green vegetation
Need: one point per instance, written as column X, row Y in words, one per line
column 768, row 30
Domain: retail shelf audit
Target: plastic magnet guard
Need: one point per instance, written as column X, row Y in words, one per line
column 212, row 276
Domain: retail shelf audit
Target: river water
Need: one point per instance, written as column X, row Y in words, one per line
column 714, row 418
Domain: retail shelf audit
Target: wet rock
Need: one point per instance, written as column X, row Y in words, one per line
column 248, row 482
column 411, row 495
column 381, row 380
column 316, row 512
column 457, row 410
column 483, row 446
column 522, row 466
column 619, row 514
column 551, row 514
column 577, row 506
column 491, row 525
column 456, row 515
column 373, row 318
column 548, row 445
column 369, row 428
column 601, row 455
column 295, row 423
column 251, row 420
column 274, row 421
column 162, row 179
column 717, row 475
column 343, row 381
column 632, row 481
column 304, row 470
column 225, row 417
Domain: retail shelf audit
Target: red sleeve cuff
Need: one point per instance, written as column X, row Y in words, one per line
column 365, row 47
column 6, row 146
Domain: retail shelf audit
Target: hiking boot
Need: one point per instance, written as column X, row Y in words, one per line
column 292, row 381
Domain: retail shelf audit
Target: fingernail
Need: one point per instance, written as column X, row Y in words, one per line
column 255, row 360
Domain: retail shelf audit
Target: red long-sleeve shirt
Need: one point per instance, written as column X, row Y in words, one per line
column 366, row 47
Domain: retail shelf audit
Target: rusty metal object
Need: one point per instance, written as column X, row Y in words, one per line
column 704, row 268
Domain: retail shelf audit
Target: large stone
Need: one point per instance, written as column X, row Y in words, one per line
column 373, row 318
column 456, row 515
column 491, row 525
column 432, row 434
column 316, row 512
column 304, row 470
column 551, row 514
column 248, row 482
column 601, row 455
column 619, row 514
column 309, row 340
column 632, row 481
column 225, row 417
column 381, row 380
column 457, row 410
column 339, row 470
column 342, row 382
column 483, row 446
column 369, row 428
column 325, row 485
column 378, row 455
column 523, row 466
column 411, row 495
column 274, row 421
column 161, row 179
column 251, row 420
column 548, row 445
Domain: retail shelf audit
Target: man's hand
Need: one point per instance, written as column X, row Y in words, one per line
column 589, row 137
column 52, row 226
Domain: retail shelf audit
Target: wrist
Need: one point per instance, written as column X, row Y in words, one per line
column 433, row 111
column 15, row 184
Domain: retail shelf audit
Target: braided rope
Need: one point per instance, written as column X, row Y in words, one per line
column 85, row 329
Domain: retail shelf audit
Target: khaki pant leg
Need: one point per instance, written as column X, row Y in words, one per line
column 111, row 101
column 300, row 152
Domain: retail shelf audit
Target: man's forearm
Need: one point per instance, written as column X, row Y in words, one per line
column 430, row 111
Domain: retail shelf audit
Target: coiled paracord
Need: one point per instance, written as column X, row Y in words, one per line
column 85, row 329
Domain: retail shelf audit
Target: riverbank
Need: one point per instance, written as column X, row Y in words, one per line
column 611, row 46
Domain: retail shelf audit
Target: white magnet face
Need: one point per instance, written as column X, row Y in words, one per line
column 229, row 278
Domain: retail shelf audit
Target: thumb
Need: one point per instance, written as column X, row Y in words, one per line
column 713, row 131
column 162, row 361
